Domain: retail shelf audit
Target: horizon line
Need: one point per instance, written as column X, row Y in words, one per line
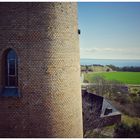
column 110, row 58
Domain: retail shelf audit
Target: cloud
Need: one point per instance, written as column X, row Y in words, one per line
column 111, row 52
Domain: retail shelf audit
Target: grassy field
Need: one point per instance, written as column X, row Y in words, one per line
column 124, row 77
column 130, row 120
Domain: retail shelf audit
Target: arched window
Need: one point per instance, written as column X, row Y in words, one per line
column 10, row 74
column 11, row 68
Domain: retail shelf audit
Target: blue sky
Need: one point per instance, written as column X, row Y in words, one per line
column 109, row 30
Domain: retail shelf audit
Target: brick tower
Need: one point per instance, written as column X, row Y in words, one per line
column 39, row 70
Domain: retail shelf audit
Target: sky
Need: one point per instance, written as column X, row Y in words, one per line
column 109, row 30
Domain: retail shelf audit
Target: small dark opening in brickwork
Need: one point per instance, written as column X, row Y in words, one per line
column 79, row 31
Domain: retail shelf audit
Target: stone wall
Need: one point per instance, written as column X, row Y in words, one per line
column 45, row 38
column 92, row 110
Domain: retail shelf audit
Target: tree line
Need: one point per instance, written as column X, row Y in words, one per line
column 90, row 68
column 126, row 68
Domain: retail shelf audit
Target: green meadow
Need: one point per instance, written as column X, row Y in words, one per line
column 124, row 77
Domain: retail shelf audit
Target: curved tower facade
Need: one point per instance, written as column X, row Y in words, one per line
column 40, row 93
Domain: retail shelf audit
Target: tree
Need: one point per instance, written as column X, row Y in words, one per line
column 110, row 89
column 108, row 70
column 100, row 85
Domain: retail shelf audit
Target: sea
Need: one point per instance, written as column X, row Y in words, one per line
column 118, row 63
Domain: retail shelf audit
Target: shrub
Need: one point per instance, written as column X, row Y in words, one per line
column 138, row 93
column 135, row 130
column 86, row 81
column 123, row 130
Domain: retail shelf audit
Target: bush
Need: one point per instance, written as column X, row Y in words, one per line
column 135, row 130
column 138, row 93
column 122, row 98
column 86, row 81
column 123, row 130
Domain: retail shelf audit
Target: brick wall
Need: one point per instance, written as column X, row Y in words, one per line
column 45, row 38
